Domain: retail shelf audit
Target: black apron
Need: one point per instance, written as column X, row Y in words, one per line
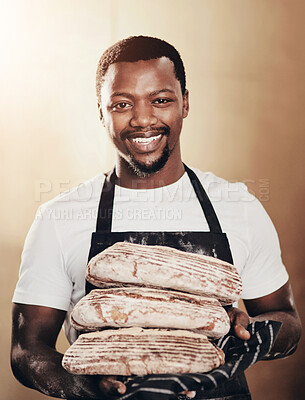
column 211, row 243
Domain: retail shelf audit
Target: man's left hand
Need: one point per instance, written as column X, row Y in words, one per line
column 188, row 394
column 239, row 322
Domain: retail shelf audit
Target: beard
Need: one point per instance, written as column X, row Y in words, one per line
column 143, row 170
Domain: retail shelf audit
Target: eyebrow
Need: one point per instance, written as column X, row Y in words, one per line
column 122, row 94
column 161, row 91
column 154, row 93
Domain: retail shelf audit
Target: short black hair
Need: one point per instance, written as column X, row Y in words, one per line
column 136, row 48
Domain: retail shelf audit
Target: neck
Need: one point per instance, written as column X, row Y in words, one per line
column 170, row 173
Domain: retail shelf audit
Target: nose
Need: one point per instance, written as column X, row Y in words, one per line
column 143, row 116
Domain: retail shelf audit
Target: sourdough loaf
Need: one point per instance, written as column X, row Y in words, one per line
column 165, row 267
column 150, row 308
column 137, row 351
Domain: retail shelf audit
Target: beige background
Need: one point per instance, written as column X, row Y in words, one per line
column 245, row 62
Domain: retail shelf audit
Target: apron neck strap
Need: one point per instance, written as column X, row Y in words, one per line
column 204, row 201
column 105, row 209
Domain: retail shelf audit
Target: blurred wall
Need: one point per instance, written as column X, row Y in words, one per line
column 245, row 64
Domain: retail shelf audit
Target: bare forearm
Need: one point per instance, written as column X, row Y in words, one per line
column 41, row 369
column 289, row 334
column 37, row 364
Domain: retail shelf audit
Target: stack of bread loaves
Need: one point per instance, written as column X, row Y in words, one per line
column 165, row 306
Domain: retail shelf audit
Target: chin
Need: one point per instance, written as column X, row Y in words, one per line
column 143, row 170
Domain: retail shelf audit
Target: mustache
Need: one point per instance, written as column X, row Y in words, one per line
column 165, row 130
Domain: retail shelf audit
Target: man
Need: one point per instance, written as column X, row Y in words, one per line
column 142, row 102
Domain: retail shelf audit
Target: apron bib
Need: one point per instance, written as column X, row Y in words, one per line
column 211, row 243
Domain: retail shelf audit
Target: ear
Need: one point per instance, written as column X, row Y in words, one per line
column 186, row 105
column 100, row 112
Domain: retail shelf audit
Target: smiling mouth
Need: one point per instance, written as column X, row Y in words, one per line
column 145, row 144
column 145, row 140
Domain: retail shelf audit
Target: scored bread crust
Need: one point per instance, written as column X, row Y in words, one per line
column 138, row 351
column 150, row 308
column 165, row 267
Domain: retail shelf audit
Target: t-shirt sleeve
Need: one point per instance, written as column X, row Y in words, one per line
column 264, row 272
column 43, row 279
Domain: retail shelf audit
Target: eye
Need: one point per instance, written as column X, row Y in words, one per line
column 162, row 101
column 122, row 106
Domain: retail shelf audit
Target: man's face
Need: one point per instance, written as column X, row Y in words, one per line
column 143, row 109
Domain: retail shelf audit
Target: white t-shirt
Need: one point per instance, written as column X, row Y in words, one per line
column 56, row 249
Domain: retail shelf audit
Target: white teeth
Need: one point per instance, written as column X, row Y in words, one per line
column 144, row 140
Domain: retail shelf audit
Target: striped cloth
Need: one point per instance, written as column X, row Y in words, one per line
column 240, row 354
